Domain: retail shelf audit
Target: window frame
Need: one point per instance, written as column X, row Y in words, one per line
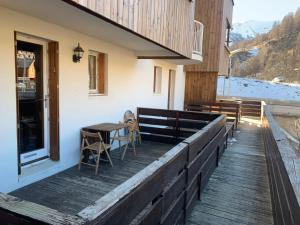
column 157, row 92
column 101, row 73
column 96, row 90
column 227, row 34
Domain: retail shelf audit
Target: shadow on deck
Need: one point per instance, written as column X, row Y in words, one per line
column 71, row 190
column 238, row 191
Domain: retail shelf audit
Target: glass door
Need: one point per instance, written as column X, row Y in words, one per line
column 32, row 99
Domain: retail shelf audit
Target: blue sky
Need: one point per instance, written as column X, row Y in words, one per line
column 263, row 10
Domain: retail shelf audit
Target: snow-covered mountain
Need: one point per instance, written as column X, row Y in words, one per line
column 251, row 28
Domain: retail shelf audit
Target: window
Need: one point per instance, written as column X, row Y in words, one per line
column 97, row 73
column 227, row 38
column 157, row 80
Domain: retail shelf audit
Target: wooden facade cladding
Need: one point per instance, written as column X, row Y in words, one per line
column 200, row 87
column 170, row 23
column 213, row 14
column 201, row 79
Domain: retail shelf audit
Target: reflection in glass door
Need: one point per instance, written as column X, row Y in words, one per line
column 32, row 101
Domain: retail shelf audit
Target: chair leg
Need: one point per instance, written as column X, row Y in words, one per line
column 125, row 149
column 133, row 145
column 108, row 156
column 140, row 137
column 97, row 162
column 80, row 159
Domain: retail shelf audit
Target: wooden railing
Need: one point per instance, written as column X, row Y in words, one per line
column 230, row 109
column 251, row 108
column 198, row 37
column 283, row 174
column 170, row 126
column 163, row 192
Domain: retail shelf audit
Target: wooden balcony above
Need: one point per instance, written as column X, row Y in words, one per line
column 152, row 29
column 168, row 23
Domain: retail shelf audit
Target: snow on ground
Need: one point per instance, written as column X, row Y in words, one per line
column 251, row 88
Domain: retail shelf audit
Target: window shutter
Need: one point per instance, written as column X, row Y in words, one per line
column 53, row 100
column 101, row 73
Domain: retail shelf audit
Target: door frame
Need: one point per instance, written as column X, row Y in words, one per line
column 45, row 151
column 53, row 99
column 171, row 88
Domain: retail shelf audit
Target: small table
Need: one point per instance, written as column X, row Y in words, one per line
column 105, row 129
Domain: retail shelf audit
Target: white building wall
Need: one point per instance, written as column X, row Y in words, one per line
column 130, row 84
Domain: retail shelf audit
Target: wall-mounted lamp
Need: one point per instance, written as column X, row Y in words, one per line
column 78, row 53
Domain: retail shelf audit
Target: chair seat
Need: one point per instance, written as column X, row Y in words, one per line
column 122, row 138
column 96, row 146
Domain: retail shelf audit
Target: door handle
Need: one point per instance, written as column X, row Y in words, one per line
column 46, row 99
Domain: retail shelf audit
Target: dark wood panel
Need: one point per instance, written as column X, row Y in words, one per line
column 151, row 215
column 157, row 112
column 53, row 51
column 285, row 204
column 160, row 122
column 160, row 131
column 192, row 124
column 173, row 191
column 176, row 208
column 160, row 139
column 141, row 196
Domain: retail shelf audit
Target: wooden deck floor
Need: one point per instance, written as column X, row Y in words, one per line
column 238, row 191
column 71, row 191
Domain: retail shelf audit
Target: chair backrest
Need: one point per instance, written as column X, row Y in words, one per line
column 87, row 134
column 128, row 116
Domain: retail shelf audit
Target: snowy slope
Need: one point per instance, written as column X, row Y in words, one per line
column 251, row 88
column 251, row 28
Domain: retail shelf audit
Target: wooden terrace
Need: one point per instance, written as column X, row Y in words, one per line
column 182, row 160
column 75, row 189
column 238, row 192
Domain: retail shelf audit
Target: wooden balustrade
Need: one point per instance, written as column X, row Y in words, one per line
column 283, row 175
column 230, row 109
column 162, row 193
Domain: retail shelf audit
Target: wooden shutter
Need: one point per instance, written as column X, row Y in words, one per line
column 53, row 100
column 101, row 73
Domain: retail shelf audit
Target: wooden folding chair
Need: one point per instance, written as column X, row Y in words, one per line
column 95, row 149
column 130, row 117
column 128, row 138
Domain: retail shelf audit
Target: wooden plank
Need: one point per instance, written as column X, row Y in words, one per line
column 172, row 215
column 154, row 121
column 151, row 215
column 145, row 18
column 160, row 131
column 238, row 190
column 192, row 124
column 156, row 112
column 285, row 196
column 53, row 51
column 161, row 139
column 101, row 71
column 16, row 211
column 173, row 190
